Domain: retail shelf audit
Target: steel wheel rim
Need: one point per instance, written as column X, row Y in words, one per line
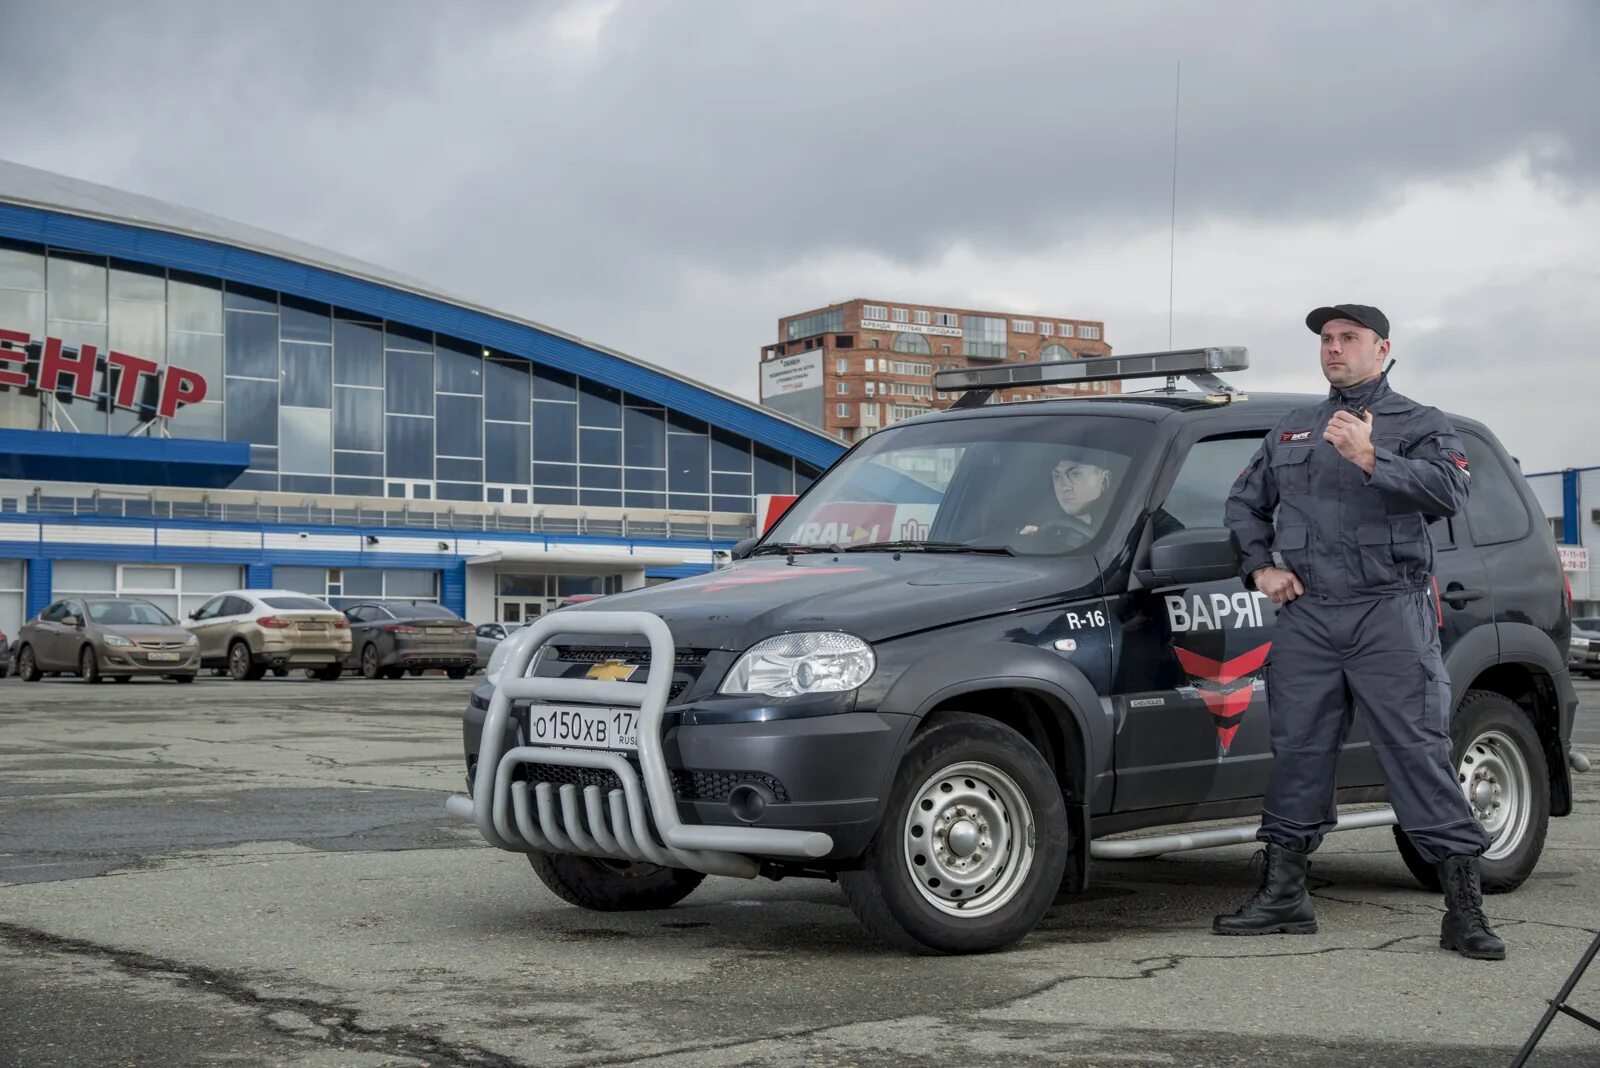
column 25, row 662
column 969, row 839
column 1498, row 785
column 237, row 661
column 86, row 663
column 369, row 662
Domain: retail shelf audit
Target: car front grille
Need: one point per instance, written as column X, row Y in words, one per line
column 687, row 784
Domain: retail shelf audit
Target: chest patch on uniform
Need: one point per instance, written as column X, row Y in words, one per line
column 1295, row 435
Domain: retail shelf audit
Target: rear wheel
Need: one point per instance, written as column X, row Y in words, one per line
column 89, row 665
column 241, row 668
column 280, row 672
column 27, row 668
column 1501, row 766
column 613, row 885
column 413, row 672
column 393, row 672
column 369, row 662
column 326, row 674
column 457, row 672
column 973, row 843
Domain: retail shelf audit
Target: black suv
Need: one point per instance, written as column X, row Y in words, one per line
column 980, row 649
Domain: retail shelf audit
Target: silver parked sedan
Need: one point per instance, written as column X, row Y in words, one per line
column 100, row 638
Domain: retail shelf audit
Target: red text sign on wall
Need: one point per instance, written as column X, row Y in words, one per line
column 43, row 366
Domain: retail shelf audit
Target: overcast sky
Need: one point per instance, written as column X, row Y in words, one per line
column 670, row 178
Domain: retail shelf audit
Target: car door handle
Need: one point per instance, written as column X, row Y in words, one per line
column 1458, row 596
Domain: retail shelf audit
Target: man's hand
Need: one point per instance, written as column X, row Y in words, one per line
column 1353, row 438
column 1279, row 585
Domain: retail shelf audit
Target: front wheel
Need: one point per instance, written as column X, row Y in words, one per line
column 973, row 843
column 328, row 673
column 370, row 668
column 89, row 665
column 185, row 679
column 27, row 668
column 1501, row 766
column 613, row 885
column 457, row 672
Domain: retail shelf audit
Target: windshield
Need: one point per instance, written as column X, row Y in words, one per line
column 128, row 613
column 420, row 611
column 296, row 604
column 1024, row 484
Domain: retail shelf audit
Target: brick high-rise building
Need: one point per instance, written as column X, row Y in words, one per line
column 854, row 367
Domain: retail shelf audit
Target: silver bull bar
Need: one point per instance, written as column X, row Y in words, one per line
column 638, row 822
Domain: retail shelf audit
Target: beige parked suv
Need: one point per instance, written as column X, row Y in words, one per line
column 250, row 632
column 100, row 638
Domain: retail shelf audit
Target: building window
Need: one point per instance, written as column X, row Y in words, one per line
column 898, row 412
column 901, row 315
column 841, row 388
column 902, row 367
column 872, row 389
column 921, row 317
column 1022, row 354
column 844, row 341
column 983, row 337
column 946, row 319
column 869, row 411
column 842, row 411
column 823, row 322
column 911, row 343
column 841, row 366
column 1089, row 333
column 874, row 342
column 870, row 363
column 874, row 311
column 1055, row 354
column 1047, row 329
column 1022, row 326
column 944, row 350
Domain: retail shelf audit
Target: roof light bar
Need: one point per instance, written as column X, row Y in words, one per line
column 1096, row 369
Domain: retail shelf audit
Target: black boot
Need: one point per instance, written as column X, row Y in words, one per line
column 1465, row 929
column 1280, row 904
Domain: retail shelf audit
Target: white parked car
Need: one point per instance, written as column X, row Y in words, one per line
column 251, row 632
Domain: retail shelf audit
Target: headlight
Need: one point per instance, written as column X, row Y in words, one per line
column 1580, row 643
column 116, row 639
column 792, row 664
column 497, row 659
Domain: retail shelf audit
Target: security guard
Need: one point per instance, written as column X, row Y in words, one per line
column 1355, row 481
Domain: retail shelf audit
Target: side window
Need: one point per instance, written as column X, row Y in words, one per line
column 54, row 613
column 1199, row 494
column 1495, row 512
column 209, row 609
column 75, row 609
column 235, row 606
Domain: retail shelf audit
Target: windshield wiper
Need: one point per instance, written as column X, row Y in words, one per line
column 929, row 547
column 792, row 547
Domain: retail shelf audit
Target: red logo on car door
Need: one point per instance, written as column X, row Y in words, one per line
column 1225, row 686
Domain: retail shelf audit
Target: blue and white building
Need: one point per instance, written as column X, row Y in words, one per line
column 188, row 404
column 1571, row 502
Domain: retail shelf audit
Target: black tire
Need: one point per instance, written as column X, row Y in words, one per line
column 122, row 678
column 89, row 665
column 280, row 672
column 613, row 886
column 393, row 672
column 457, row 672
column 241, row 666
column 186, row 679
column 26, row 667
column 326, row 674
column 1591, row 674
column 1491, row 724
column 414, row 672
column 370, row 668
column 967, row 758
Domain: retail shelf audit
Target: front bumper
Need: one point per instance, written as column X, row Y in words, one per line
column 811, row 787
column 1584, row 659
column 118, row 660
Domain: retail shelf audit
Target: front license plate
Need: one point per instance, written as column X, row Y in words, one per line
column 162, row 656
column 585, row 728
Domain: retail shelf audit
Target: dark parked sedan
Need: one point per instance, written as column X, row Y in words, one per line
column 1583, row 655
column 388, row 638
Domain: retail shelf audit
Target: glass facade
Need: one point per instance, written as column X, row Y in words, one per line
column 333, row 401
column 983, row 337
column 824, row 322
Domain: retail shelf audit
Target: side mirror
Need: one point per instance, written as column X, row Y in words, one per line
column 195, row 614
column 72, row 621
column 1187, row 557
column 741, row 549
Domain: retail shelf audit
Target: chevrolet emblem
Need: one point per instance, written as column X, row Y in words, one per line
column 612, row 671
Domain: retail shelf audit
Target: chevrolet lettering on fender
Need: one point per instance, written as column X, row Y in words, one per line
column 987, row 648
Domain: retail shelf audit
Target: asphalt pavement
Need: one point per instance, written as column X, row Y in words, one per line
column 261, row 873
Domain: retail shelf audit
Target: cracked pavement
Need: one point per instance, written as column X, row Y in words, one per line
column 261, row 873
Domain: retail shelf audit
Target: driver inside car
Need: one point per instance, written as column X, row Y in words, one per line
column 1077, row 486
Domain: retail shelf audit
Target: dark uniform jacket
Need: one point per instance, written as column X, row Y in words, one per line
column 1347, row 535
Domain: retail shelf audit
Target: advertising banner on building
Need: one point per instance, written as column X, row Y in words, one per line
column 792, row 386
